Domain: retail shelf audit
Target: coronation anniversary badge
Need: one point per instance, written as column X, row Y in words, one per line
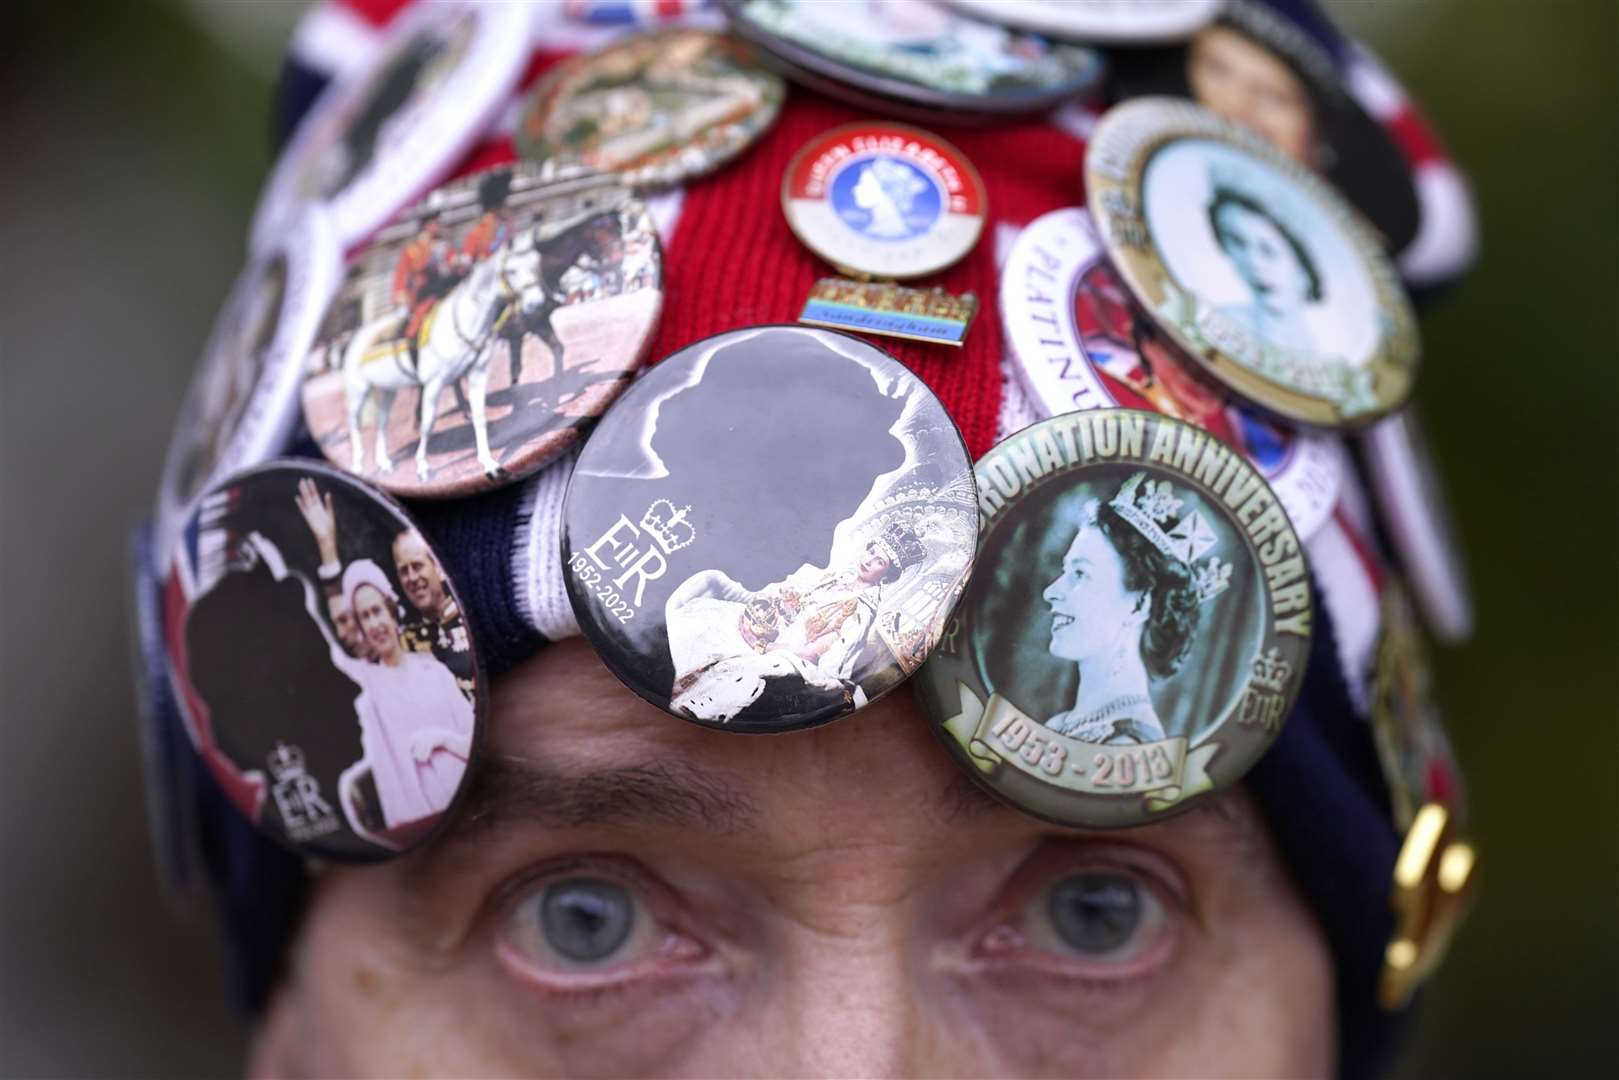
column 1136, row 629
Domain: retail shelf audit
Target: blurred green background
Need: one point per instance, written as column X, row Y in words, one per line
column 136, row 137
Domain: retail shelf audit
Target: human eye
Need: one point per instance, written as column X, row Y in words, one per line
column 1107, row 921
column 591, row 925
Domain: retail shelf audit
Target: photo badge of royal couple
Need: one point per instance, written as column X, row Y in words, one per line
column 728, row 641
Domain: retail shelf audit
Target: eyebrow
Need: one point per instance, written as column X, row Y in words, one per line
column 509, row 789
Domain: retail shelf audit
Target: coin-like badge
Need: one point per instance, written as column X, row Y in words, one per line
column 884, row 200
column 322, row 666
column 1259, row 67
column 243, row 401
column 914, row 53
column 769, row 529
column 1252, row 263
column 375, row 140
column 655, row 108
column 478, row 334
column 1120, row 22
column 1137, row 624
column 1078, row 340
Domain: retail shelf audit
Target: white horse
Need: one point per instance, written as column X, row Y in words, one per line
column 455, row 346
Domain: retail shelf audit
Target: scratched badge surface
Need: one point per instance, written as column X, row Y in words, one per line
column 1077, row 339
column 769, row 529
column 483, row 329
column 1137, row 625
column 871, row 307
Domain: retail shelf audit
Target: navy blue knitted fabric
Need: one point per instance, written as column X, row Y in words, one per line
column 1324, row 797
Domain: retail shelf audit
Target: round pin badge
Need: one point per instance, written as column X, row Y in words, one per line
column 1254, row 266
column 769, row 529
column 1416, row 514
column 480, row 332
column 656, row 108
column 1078, row 340
column 376, row 139
column 884, row 200
column 243, row 402
column 321, row 662
column 1258, row 67
column 1136, row 628
column 1115, row 22
column 914, row 53
column 1418, row 763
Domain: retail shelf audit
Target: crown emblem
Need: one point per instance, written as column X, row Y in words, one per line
column 668, row 526
column 286, row 761
column 1152, row 506
column 1270, row 671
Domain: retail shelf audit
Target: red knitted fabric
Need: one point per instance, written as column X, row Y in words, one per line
column 734, row 262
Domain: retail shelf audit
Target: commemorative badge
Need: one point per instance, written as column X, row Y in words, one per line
column 931, row 315
column 479, row 334
column 1418, row 762
column 1405, row 483
column 1116, row 22
column 656, row 108
column 769, row 529
column 320, row 660
column 1252, row 264
column 909, row 53
column 242, row 405
column 1136, row 628
column 1259, row 68
column 884, row 200
column 376, row 139
column 1078, row 340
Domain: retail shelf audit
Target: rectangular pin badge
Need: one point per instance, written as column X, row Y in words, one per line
column 890, row 310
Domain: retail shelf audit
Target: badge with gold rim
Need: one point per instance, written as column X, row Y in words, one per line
column 1252, row 264
column 1137, row 625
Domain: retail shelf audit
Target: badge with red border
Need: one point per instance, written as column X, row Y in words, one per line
column 882, row 200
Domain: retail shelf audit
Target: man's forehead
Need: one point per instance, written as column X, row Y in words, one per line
column 571, row 748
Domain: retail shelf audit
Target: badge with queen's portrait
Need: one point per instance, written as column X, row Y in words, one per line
column 1137, row 626
column 1252, row 264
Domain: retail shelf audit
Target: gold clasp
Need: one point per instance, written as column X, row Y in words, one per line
column 1434, row 881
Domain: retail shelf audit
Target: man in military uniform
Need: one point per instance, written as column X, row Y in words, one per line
column 437, row 626
column 418, row 280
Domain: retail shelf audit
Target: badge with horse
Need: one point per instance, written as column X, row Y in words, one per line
column 483, row 330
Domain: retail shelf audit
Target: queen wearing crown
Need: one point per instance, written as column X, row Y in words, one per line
column 1124, row 608
column 728, row 642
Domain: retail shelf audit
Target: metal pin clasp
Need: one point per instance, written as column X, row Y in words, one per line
column 1434, row 881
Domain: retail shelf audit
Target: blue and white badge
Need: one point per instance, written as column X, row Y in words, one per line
column 879, row 200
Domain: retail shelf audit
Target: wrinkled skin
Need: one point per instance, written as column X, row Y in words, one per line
column 839, row 902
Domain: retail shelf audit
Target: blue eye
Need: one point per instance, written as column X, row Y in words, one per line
column 586, row 920
column 1095, row 913
column 581, row 922
column 1104, row 917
